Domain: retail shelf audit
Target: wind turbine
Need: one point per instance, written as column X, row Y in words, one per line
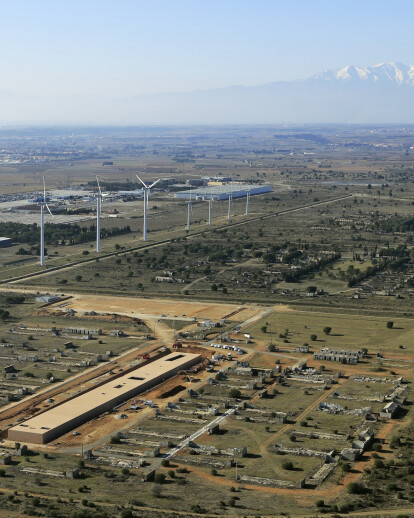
column 247, row 202
column 189, row 211
column 99, row 198
column 43, row 204
column 229, row 211
column 147, row 188
column 210, row 207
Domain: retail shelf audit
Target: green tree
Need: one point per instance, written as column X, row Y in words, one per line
column 235, row 393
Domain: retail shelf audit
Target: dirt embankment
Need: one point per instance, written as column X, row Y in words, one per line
column 92, row 315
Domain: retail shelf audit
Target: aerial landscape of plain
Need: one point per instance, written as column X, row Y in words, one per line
column 206, row 259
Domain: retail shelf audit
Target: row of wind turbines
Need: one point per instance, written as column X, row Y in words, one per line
column 210, row 208
column 146, row 190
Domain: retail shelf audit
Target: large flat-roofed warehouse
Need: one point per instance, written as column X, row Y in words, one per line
column 222, row 192
column 61, row 419
column 5, row 241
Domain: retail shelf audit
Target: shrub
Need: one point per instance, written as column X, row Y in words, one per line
column 395, row 442
column 157, row 489
column 165, row 463
column 355, row 488
column 159, row 478
column 390, row 325
column 392, row 487
column 288, row 465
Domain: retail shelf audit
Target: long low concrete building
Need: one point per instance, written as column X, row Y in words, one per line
column 65, row 417
column 222, row 192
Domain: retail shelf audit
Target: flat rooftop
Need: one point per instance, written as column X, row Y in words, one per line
column 102, row 398
column 218, row 192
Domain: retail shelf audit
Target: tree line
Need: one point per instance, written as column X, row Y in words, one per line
column 57, row 234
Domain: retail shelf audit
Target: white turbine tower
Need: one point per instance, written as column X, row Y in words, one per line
column 98, row 216
column 189, row 211
column 147, row 189
column 229, row 211
column 43, row 204
column 247, row 202
column 210, row 209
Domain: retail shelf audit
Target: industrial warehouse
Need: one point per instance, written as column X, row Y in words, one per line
column 63, row 418
column 222, row 192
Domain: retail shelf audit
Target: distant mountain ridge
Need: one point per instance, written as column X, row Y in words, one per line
column 397, row 73
column 382, row 93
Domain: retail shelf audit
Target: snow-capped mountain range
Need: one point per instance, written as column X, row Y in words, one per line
column 397, row 73
column 381, row 93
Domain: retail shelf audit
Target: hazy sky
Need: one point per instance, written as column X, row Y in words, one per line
column 127, row 47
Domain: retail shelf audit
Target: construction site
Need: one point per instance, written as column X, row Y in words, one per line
column 200, row 386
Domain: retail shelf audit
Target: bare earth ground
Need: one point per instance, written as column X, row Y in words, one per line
column 140, row 307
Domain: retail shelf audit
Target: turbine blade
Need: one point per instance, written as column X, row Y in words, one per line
column 50, row 212
column 152, row 185
column 144, row 184
column 44, row 190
